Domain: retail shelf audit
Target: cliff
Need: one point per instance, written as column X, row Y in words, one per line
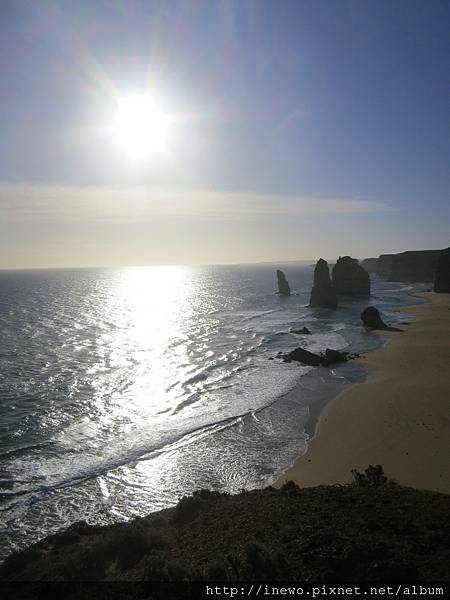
column 372, row 530
column 412, row 266
column 385, row 265
column 442, row 279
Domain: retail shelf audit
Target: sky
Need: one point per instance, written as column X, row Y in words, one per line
column 298, row 129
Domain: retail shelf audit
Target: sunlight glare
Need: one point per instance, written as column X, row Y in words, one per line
column 141, row 126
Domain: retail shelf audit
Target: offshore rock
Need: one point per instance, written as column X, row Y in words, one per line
column 283, row 285
column 371, row 318
column 302, row 331
column 370, row 265
column 442, row 278
column 350, row 278
column 323, row 294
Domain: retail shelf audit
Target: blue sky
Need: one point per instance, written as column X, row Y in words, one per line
column 303, row 129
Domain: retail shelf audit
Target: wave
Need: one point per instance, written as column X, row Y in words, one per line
column 263, row 313
column 13, row 452
column 135, row 456
column 138, row 455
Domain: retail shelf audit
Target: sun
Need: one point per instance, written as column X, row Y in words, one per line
column 141, row 126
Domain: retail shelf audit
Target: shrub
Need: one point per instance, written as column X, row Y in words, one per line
column 372, row 477
column 205, row 494
column 188, row 509
column 290, row 487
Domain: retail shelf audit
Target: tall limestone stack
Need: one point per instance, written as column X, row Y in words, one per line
column 442, row 278
column 350, row 278
column 323, row 294
column 370, row 265
column 283, row 285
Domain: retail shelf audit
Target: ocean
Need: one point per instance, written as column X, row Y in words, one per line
column 121, row 390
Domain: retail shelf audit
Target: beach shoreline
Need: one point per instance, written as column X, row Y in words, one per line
column 398, row 417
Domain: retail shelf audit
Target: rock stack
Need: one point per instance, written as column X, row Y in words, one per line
column 371, row 318
column 442, row 278
column 323, row 294
column 350, row 278
column 283, row 285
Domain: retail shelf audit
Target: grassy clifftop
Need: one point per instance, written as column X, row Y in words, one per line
column 371, row 530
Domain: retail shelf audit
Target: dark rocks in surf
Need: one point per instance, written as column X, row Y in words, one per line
column 303, row 331
column 371, row 318
column 303, row 356
column 334, row 356
column 316, row 360
column 323, row 294
column 283, row 285
column 442, row 278
column 350, row 278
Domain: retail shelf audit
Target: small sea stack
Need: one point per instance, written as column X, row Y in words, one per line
column 371, row 318
column 283, row 285
column 323, row 294
column 442, row 278
column 350, row 278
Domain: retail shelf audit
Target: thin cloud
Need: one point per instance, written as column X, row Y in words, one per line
column 63, row 204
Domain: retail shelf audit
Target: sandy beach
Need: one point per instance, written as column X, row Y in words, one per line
column 399, row 417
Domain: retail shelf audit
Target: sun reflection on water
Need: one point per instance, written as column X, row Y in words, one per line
column 147, row 307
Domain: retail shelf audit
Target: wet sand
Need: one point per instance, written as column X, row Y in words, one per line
column 399, row 417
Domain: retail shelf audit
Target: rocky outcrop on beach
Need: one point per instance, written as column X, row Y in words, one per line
column 323, row 294
column 283, row 285
column 330, row 357
column 350, row 278
column 371, row 318
column 442, row 278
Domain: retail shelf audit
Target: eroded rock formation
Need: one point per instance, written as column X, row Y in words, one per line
column 323, row 294
column 350, row 278
column 371, row 318
column 442, row 278
column 370, row 265
column 283, row 285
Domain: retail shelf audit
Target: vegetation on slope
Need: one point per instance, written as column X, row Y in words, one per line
column 370, row 530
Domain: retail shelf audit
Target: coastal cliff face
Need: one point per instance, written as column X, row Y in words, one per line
column 442, row 279
column 349, row 278
column 413, row 266
column 385, row 265
column 283, row 285
column 323, row 294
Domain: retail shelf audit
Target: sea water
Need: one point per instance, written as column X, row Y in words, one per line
column 121, row 390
